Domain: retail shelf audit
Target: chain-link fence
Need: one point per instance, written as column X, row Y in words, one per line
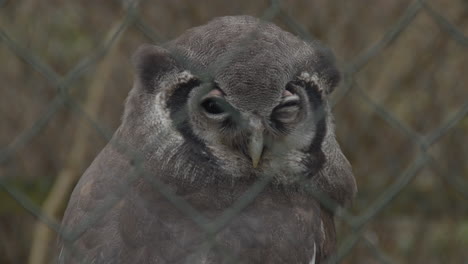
column 400, row 112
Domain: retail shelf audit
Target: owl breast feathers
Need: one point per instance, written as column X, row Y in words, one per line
column 225, row 152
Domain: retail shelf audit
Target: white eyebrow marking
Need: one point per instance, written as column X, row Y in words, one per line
column 313, row 78
column 312, row 261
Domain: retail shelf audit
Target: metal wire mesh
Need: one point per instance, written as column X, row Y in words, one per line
column 353, row 87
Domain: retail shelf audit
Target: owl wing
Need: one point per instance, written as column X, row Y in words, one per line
column 115, row 215
column 88, row 228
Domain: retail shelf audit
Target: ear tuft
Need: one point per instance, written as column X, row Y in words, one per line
column 325, row 67
column 151, row 63
column 333, row 77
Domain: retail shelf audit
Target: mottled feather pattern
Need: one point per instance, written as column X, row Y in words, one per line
column 117, row 214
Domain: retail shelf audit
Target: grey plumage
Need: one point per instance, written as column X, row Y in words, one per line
column 211, row 113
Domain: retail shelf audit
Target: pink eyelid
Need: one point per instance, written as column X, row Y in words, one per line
column 287, row 93
column 215, row 92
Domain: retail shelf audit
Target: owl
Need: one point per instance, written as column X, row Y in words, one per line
column 225, row 154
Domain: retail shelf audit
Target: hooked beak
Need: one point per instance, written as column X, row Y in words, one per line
column 256, row 147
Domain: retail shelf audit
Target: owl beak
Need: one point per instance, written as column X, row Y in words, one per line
column 256, row 147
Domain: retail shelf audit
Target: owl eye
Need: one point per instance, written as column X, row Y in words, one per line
column 290, row 101
column 212, row 106
column 289, row 108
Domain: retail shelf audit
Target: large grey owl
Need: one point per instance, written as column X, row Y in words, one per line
column 225, row 150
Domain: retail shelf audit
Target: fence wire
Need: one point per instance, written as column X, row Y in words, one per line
column 358, row 223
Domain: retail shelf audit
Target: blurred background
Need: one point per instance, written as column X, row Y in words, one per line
column 401, row 111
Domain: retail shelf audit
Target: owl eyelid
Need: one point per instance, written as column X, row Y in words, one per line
column 217, row 92
column 289, row 101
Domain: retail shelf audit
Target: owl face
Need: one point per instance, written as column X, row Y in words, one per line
column 255, row 134
column 246, row 95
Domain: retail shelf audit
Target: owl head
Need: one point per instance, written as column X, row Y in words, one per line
column 235, row 99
